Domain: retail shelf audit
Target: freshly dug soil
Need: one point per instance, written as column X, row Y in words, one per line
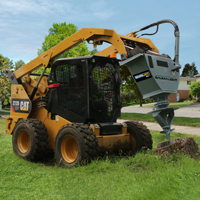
column 186, row 146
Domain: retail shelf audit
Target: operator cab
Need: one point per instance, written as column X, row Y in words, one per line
column 87, row 89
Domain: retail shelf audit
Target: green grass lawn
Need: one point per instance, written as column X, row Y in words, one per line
column 145, row 176
column 185, row 121
column 4, row 113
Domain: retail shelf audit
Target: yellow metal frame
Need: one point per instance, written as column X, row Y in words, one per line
column 17, row 92
column 93, row 36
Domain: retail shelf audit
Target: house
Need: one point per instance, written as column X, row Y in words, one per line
column 197, row 77
column 183, row 89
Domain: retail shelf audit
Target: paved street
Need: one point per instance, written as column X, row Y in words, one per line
column 188, row 111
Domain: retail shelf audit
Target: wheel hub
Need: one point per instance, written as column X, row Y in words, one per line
column 69, row 149
column 23, row 141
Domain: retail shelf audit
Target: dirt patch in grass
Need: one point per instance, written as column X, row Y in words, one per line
column 186, row 146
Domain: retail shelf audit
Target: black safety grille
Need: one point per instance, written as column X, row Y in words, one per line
column 103, row 86
column 72, row 92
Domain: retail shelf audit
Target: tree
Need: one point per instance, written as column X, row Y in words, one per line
column 128, row 83
column 195, row 89
column 58, row 33
column 189, row 70
column 5, row 83
column 19, row 64
column 6, row 102
column 94, row 51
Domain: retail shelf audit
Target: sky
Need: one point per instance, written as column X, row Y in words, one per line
column 25, row 23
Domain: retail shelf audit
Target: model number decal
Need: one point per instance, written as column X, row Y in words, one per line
column 165, row 78
column 21, row 105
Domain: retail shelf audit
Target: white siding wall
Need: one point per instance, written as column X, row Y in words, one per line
column 183, row 85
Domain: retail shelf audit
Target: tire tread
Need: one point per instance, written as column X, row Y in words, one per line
column 145, row 133
column 89, row 139
column 41, row 138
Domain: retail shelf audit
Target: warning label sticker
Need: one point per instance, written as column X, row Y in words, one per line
column 21, row 105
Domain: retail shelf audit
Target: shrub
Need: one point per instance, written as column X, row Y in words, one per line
column 182, row 100
column 195, row 89
column 128, row 97
column 147, row 100
column 190, row 97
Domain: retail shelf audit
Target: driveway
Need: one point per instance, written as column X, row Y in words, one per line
column 192, row 111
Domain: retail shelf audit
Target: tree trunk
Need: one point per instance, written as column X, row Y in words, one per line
column 140, row 102
column 186, row 146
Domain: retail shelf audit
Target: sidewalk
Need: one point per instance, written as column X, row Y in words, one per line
column 4, row 116
column 4, row 110
column 178, row 129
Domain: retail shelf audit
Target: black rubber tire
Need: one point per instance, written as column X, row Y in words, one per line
column 140, row 134
column 38, row 136
column 85, row 139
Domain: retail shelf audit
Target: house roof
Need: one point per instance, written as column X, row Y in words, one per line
column 188, row 78
column 198, row 75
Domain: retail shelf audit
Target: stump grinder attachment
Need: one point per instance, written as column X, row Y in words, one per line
column 157, row 76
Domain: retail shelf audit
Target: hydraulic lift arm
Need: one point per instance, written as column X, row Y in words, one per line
column 93, row 36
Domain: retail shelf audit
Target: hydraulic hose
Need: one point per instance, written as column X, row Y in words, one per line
column 176, row 33
column 162, row 22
